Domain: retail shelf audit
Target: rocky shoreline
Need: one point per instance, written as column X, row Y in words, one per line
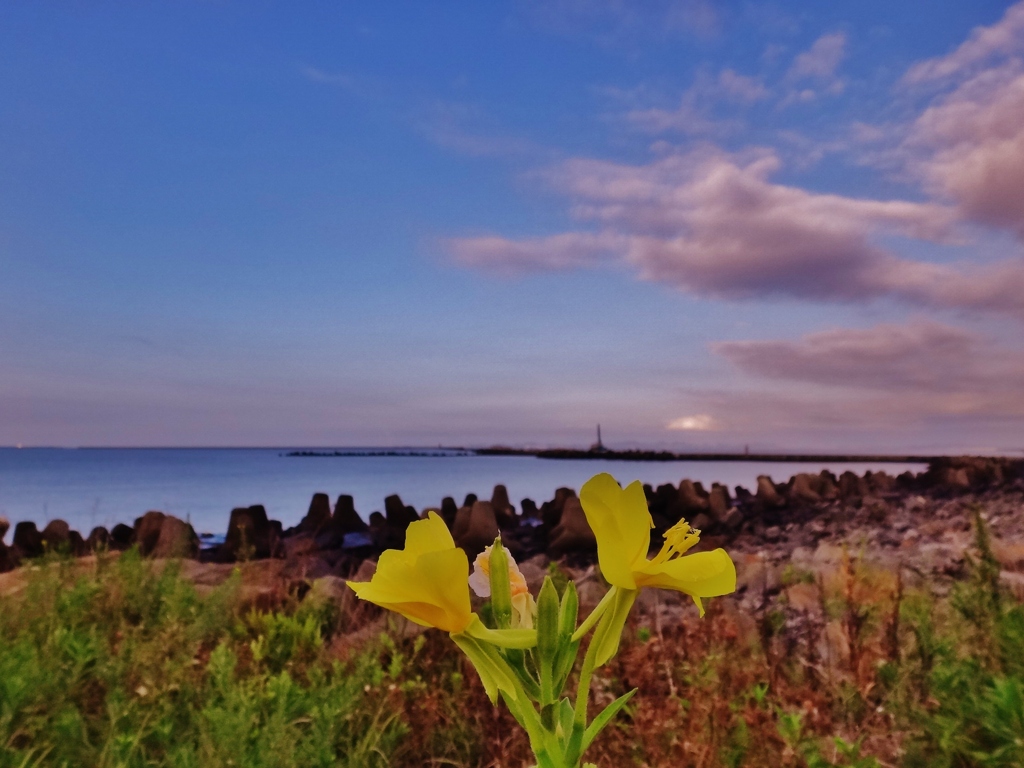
column 918, row 521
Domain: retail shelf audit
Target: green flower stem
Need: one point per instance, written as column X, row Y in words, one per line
column 502, row 638
column 583, row 690
column 597, row 613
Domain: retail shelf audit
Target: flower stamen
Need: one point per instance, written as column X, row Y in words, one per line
column 678, row 540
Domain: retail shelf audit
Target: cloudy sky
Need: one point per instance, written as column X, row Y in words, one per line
column 792, row 226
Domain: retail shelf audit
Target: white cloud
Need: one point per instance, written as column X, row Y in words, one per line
column 1005, row 36
column 699, row 423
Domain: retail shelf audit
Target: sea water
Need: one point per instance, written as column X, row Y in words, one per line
column 98, row 486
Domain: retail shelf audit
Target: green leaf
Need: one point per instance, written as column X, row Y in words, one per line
column 494, row 672
column 566, row 717
column 599, row 722
column 563, row 666
column 609, row 628
column 568, row 612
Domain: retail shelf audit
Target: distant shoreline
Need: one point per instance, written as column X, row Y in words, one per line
column 631, row 455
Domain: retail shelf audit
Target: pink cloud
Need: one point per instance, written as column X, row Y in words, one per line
column 914, row 372
column 822, row 59
column 741, row 87
column 569, row 250
column 1005, row 36
column 973, row 147
column 716, row 225
column 922, row 354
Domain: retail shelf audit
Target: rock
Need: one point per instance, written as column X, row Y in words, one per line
column 534, row 570
column 702, row 522
column 147, row 531
column 346, row 519
column 941, row 557
column 551, row 511
column 461, row 523
column 250, row 534
column 480, row 529
column 76, row 544
column 8, row 558
column 503, row 509
column 121, row 536
column 733, row 519
column 529, row 509
column 664, row 506
column 907, row 481
column 1010, row 554
column 331, row 593
column 177, row 540
column 28, row 539
column 470, row 500
column 298, row 545
column 1014, row 582
column 378, row 529
column 307, row 568
column 57, row 537
column 954, row 479
column 398, row 515
column 880, row 482
column 590, row 594
column 828, row 485
column 755, row 574
column 772, row 533
column 766, row 494
column 99, row 539
column 448, row 511
column 365, row 571
column 718, row 503
column 318, row 517
column 690, row 499
column 833, row 648
column 5, row 525
column 573, row 532
column 850, row 486
column 802, row 488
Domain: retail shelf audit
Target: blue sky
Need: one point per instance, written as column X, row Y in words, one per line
column 705, row 225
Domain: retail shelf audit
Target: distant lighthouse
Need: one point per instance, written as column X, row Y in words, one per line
column 598, row 447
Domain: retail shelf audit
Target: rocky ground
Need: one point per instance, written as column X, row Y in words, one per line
column 781, row 535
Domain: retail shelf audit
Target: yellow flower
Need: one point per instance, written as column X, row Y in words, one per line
column 622, row 525
column 522, row 601
column 427, row 582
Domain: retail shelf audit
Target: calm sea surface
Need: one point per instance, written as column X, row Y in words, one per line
column 89, row 487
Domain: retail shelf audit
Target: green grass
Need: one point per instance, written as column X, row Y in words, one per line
column 124, row 663
column 125, row 666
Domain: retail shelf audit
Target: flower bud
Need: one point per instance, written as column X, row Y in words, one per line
column 547, row 622
column 501, row 587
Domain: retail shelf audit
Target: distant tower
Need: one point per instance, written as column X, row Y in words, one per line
column 598, row 447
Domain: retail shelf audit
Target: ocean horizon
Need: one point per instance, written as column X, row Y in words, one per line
column 88, row 487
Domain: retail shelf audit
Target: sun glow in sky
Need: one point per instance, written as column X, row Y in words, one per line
column 793, row 226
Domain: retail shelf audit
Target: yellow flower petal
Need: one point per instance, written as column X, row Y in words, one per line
column 704, row 574
column 621, row 524
column 427, row 582
column 428, row 535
